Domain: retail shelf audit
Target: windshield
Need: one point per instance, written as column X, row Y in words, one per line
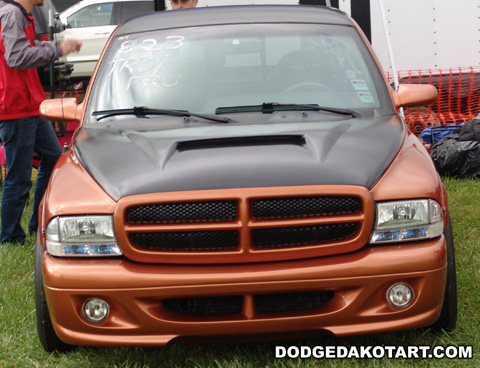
column 205, row 69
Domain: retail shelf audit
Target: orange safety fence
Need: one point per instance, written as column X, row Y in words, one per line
column 458, row 96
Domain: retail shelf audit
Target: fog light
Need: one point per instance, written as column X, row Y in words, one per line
column 400, row 295
column 95, row 310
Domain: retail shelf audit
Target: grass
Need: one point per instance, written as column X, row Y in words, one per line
column 19, row 345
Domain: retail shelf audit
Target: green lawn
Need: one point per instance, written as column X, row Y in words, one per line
column 19, row 346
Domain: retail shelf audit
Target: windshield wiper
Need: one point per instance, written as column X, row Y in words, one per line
column 270, row 107
column 143, row 111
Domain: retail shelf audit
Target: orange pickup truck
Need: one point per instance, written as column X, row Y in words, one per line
column 244, row 172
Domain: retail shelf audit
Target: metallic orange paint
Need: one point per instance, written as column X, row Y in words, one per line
column 135, row 293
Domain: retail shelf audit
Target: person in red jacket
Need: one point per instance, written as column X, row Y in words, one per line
column 22, row 130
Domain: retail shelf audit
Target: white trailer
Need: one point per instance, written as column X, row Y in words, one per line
column 425, row 34
column 438, row 34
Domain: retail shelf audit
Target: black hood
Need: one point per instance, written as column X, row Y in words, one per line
column 346, row 152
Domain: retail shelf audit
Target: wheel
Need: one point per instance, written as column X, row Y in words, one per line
column 309, row 86
column 448, row 317
column 48, row 338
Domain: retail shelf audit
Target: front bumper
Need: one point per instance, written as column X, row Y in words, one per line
column 136, row 294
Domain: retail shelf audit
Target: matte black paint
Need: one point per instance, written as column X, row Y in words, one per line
column 350, row 152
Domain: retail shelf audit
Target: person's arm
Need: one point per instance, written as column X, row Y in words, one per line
column 18, row 52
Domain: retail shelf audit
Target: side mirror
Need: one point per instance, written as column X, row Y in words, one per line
column 413, row 95
column 61, row 110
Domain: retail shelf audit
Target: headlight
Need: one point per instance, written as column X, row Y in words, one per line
column 407, row 220
column 82, row 236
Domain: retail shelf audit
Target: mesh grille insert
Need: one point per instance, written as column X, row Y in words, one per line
column 193, row 241
column 285, row 302
column 213, row 211
column 305, row 207
column 302, row 236
column 207, row 306
column 264, row 303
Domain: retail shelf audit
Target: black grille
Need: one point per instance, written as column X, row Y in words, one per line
column 302, row 236
column 209, row 306
column 305, row 207
column 287, row 302
column 213, row 211
column 265, row 303
column 193, row 241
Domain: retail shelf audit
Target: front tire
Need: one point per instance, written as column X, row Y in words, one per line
column 448, row 317
column 47, row 335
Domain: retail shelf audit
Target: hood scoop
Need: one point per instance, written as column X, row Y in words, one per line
column 291, row 139
column 245, row 156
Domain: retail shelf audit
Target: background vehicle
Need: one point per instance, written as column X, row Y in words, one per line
column 92, row 22
column 232, row 176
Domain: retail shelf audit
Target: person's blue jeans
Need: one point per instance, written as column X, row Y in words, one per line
column 21, row 138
